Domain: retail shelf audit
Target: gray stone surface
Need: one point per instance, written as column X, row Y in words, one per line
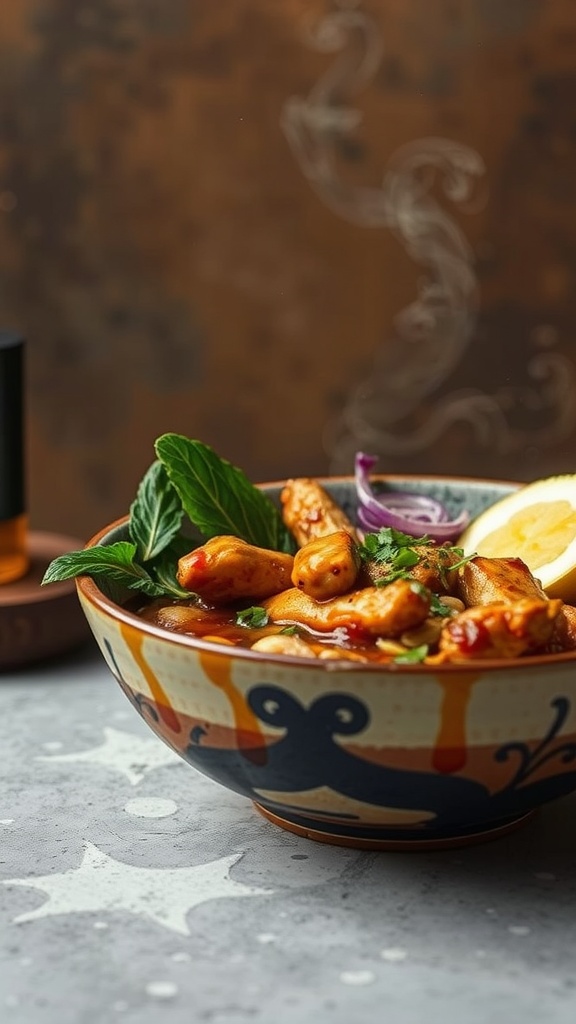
column 133, row 889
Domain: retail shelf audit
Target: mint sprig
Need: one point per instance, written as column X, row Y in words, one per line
column 155, row 514
column 218, row 497
column 187, row 480
column 114, row 561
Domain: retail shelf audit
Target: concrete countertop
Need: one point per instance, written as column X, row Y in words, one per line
column 134, row 889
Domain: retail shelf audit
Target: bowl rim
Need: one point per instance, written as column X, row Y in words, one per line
column 90, row 591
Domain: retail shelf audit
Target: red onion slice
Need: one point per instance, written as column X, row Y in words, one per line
column 414, row 514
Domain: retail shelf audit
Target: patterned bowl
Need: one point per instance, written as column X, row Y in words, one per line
column 376, row 756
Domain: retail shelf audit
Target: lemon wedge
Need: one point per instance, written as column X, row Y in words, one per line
column 536, row 523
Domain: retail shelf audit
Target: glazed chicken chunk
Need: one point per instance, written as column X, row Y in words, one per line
column 377, row 611
column 488, row 580
column 508, row 613
column 227, row 569
column 309, row 511
column 499, row 630
column 564, row 636
column 327, row 566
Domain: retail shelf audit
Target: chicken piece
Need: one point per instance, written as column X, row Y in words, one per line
column 499, row 630
column 226, row 569
column 309, row 511
column 433, row 570
column 564, row 635
column 376, row 611
column 489, row 580
column 327, row 566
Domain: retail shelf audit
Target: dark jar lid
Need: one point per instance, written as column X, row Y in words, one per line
column 12, row 498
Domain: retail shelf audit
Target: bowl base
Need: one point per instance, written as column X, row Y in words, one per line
column 446, row 842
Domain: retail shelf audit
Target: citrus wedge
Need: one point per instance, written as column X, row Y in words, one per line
column 536, row 523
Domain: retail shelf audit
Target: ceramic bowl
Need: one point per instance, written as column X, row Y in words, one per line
column 377, row 756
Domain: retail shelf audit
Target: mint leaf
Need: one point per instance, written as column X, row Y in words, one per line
column 187, row 477
column 113, row 561
column 218, row 497
column 165, row 566
column 155, row 514
column 253, row 618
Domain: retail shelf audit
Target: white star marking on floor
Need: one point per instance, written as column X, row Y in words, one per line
column 134, row 756
column 163, row 895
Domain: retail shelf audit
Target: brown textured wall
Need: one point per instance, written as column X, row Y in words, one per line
column 247, row 221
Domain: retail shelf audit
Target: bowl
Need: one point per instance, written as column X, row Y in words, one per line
column 378, row 756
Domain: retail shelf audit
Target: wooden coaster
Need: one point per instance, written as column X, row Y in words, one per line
column 40, row 622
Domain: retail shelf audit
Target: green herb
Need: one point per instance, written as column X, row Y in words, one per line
column 418, row 588
column 466, row 558
column 218, row 497
column 396, row 549
column 114, row 561
column 155, row 514
column 414, row 654
column 252, row 618
column 389, row 544
column 187, row 479
column 165, row 565
column 437, row 607
column 289, row 631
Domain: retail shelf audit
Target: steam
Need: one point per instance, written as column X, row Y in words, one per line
column 432, row 334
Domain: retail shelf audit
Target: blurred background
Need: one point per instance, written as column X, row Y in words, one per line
column 292, row 229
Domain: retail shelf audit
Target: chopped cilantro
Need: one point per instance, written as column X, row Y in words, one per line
column 252, row 618
column 414, row 654
column 437, row 607
column 463, row 560
column 388, row 544
column 395, row 549
column 398, row 550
